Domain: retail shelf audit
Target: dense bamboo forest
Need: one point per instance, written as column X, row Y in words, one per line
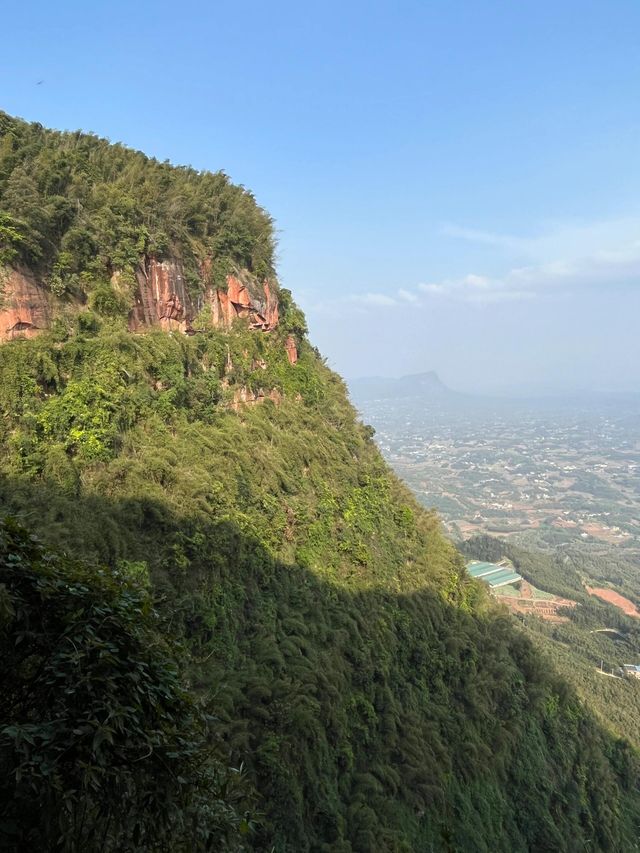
column 225, row 624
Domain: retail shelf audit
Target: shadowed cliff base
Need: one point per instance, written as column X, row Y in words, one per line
column 368, row 721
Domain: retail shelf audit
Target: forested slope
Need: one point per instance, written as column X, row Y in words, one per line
column 596, row 634
column 75, row 208
column 377, row 698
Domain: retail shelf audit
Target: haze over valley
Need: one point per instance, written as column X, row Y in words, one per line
column 547, row 488
column 551, row 469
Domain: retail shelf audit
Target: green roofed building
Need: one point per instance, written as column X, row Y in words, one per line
column 493, row 574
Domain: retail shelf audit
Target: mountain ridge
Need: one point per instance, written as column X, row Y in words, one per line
column 373, row 693
column 426, row 383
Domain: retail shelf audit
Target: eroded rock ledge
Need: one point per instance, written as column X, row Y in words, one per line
column 161, row 298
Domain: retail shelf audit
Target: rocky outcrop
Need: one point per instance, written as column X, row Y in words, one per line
column 243, row 299
column 292, row 349
column 163, row 299
column 270, row 308
column 244, row 396
column 24, row 305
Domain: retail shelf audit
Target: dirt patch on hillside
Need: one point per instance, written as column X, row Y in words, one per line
column 608, row 595
column 529, row 601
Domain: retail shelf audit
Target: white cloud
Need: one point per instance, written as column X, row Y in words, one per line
column 378, row 299
column 473, row 280
column 476, row 288
column 566, row 258
column 407, row 295
column 558, row 239
column 489, row 238
column 360, row 302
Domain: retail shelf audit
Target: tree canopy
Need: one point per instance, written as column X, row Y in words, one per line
column 76, row 208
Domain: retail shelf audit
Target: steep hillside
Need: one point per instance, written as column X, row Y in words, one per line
column 595, row 636
column 101, row 746
column 378, row 700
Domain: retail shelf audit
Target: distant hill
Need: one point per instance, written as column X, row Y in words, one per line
column 429, row 386
column 426, row 384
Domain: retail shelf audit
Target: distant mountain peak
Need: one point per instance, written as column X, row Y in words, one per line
column 423, row 384
column 427, row 379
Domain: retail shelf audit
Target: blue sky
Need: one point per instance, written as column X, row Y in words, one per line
column 456, row 184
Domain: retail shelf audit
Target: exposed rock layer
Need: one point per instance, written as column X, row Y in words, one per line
column 260, row 309
column 161, row 299
column 292, row 349
column 244, row 396
column 24, row 305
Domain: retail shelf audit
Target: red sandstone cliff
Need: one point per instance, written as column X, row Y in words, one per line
column 292, row 349
column 260, row 309
column 161, row 299
column 243, row 396
column 24, row 305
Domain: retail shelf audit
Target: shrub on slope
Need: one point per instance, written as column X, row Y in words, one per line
column 101, row 747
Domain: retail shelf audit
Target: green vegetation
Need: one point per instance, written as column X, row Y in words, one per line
column 75, row 209
column 101, row 747
column 378, row 699
column 607, row 565
column 579, row 647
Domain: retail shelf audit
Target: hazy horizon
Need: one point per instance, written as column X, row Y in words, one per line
column 455, row 184
column 519, row 390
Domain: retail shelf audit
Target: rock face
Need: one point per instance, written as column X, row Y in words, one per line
column 292, row 349
column 239, row 301
column 163, row 299
column 24, row 305
column 244, row 396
